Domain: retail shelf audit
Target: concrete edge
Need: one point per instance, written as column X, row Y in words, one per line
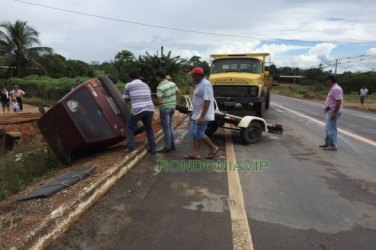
column 61, row 218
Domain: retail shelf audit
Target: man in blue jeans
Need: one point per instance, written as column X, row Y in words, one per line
column 166, row 99
column 138, row 94
column 333, row 108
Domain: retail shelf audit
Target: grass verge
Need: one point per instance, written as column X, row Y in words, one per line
column 319, row 92
column 23, row 166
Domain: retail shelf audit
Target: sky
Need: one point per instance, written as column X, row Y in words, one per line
column 296, row 33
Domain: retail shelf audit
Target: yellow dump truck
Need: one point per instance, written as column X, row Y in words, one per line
column 241, row 79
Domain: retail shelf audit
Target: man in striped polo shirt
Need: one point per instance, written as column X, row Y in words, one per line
column 166, row 99
column 138, row 94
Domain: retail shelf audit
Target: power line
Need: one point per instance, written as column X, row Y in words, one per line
column 139, row 23
column 179, row 29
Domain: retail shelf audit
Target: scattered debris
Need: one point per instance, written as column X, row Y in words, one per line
column 61, row 183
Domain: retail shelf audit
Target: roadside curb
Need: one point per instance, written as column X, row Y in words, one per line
column 61, row 218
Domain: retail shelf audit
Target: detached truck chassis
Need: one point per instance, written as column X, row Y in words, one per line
column 250, row 127
column 241, row 79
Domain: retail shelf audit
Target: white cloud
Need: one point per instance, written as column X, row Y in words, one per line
column 371, row 51
column 283, row 28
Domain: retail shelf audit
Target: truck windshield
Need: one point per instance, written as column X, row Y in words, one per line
column 236, row 65
column 87, row 116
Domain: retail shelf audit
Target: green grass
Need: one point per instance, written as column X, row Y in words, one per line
column 315, row 92
column 354, row 97
column 38, row 101
column 23, row 166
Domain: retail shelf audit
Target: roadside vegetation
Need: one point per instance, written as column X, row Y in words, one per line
column 25, row 165
column 318, row 91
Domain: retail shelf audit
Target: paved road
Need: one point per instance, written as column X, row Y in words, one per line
column 306, row 198
column 309, row 198
column 358, row 122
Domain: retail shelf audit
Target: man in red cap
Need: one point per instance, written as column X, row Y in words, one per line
column 203, row 112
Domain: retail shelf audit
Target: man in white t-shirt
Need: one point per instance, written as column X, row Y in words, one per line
column 203, row 112
column 363, row 94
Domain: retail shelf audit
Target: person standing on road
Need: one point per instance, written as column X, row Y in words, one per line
column 138, row 94
column 203, row 112
column 167, row 91
column 18, row 94
column 333, row 108
column 363, row 94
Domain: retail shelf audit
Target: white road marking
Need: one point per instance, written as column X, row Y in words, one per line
column 241, row 234
column 343, row 131
column 318, row 104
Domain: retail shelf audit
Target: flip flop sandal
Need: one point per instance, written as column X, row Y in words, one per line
column 212, row 155
column 191, row 157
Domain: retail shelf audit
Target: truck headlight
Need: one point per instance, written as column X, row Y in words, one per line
column 253, row 90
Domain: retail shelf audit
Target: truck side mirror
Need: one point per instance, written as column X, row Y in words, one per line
column 266, row 73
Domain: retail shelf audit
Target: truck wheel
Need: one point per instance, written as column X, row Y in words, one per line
column 211, row 128
column 252, row 133
column 267, row 101
column 259, row 108
column 125, row 112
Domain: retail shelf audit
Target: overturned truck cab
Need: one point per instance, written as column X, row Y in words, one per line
column 92, row 116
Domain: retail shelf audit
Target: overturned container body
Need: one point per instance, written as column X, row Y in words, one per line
column 90, row 117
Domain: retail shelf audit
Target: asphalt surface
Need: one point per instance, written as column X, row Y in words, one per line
column 306, row 198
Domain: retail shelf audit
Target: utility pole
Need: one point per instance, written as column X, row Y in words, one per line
column 335, row 70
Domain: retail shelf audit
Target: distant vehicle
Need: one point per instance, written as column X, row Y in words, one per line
column 241, row 79
column 90, row 117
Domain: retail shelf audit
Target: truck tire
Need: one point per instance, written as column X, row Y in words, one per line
column 125, row 112
column 211, row 128
column 267, row 101
column 259, row 108
column 252, row 133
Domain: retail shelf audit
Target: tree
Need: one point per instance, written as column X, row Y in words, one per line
column 54, row 64
column 173, row 66
column 17, row 46
column 195, row 61
column 78, row 68
column 124, row 63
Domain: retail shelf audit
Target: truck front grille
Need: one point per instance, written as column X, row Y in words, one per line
column 235, row 91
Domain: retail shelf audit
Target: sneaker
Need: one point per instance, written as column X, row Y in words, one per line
column 128, row 150
column 330, row 148
column 323, row 146
column 163, row 150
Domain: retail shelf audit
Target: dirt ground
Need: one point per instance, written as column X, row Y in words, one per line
column 17, row 218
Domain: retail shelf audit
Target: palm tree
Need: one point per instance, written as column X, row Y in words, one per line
column 17, row 43
column 173, row 65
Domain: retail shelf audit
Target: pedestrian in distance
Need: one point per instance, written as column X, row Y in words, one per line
column 333, row 109
column 18, row 94
column 363, row 94
column 138, row 94
column 76, row 84
column 5, row 99
column 203, row 112
column 167, row 92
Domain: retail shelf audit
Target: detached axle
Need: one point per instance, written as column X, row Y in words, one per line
column 250, row 127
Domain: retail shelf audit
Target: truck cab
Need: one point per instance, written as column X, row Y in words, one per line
column 241, row 79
